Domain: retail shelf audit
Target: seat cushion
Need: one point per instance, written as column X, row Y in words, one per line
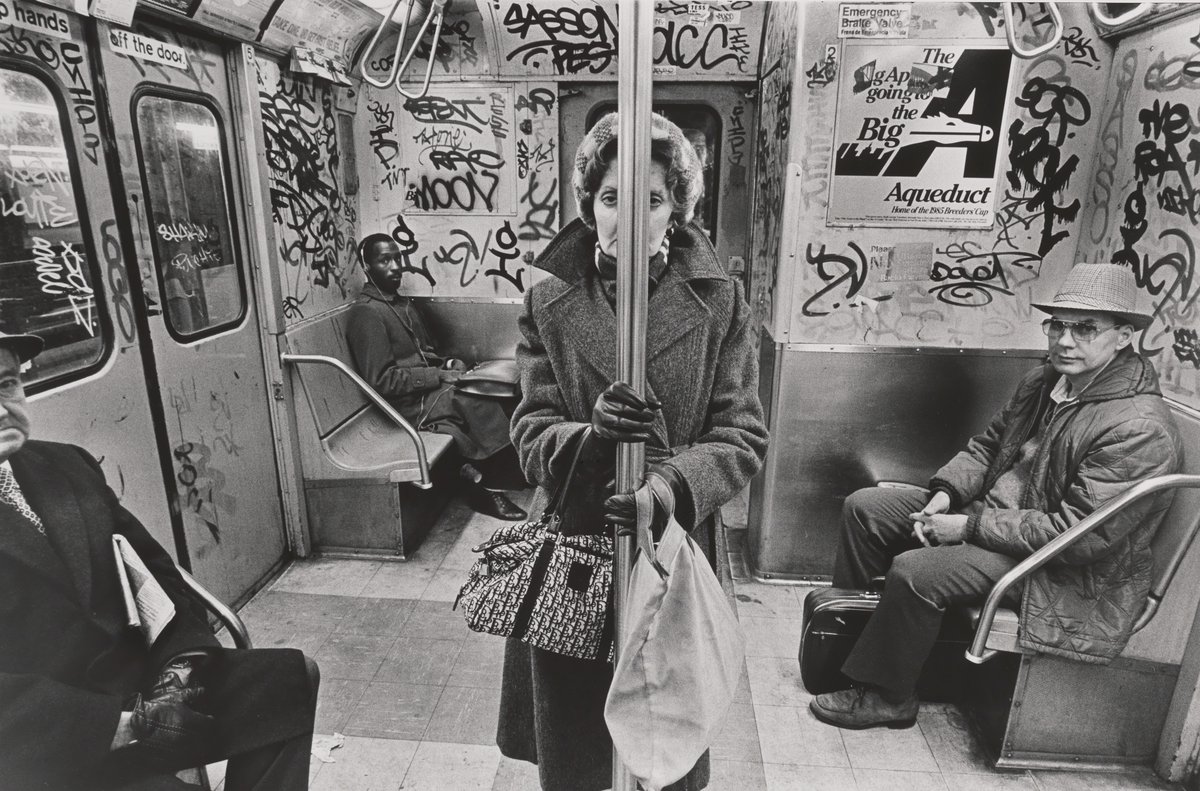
column 371, row 446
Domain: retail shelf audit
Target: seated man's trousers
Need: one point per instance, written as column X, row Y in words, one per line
column 877, row 539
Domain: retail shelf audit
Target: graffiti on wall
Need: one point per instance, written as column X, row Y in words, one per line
column 466, row 180
column 458, row 50
column 771, row 156
column 581, row 39
column 460, row 147
column 315, row 224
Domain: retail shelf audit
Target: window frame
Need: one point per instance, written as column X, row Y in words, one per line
column 177, row 94
column 100, row 293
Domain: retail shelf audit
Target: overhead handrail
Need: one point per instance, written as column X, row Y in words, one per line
column 1101, row 16
column 437, row 10
column 979, row 653
column 1041, row 48
column 426, row 481
column 383, row 23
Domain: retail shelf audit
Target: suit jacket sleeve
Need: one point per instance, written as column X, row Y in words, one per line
column 375, row 359
column 189, row 629
column 44, row 722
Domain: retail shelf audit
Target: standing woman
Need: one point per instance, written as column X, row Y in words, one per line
column 701, row 419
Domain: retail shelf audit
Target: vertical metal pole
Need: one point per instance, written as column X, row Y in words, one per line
column 633, row 104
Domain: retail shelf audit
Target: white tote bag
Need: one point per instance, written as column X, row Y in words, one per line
column 680, row 657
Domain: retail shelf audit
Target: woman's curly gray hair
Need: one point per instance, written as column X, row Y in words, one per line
column 684, row 173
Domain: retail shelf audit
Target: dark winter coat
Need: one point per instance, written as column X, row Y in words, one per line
column 392, row 348
column 702, row 365
column 67, row 658
column 1082, row 605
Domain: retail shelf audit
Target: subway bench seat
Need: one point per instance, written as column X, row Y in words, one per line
column 368, row 473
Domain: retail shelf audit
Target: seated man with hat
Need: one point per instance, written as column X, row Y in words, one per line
column 1076, row 433
column 89, row 702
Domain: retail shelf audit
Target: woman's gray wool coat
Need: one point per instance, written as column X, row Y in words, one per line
column 702, row 365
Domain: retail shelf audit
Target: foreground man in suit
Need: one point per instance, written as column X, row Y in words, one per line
column 85, row 703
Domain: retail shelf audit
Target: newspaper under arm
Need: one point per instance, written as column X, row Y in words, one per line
column 147, row 605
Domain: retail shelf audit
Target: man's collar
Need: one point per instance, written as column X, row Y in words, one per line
column 372, row 291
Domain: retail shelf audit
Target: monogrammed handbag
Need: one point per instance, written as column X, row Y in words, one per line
column 544, row 588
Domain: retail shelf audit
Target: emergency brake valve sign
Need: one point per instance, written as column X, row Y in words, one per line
column 918, row 135
column 144, row 48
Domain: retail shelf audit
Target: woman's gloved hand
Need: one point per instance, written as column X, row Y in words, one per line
column 621, row 415
column 621, row 509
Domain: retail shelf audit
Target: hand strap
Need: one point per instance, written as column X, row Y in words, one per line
column 654, row 489
column 555, row 504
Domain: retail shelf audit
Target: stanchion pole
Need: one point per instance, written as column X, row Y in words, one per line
column 634, row 89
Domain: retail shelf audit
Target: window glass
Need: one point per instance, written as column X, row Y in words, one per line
column 48, row 281
column 702, row 127
column 181, row 146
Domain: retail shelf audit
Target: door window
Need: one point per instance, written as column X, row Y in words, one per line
column 48, row 277
column 701, row 125
column 181, row 149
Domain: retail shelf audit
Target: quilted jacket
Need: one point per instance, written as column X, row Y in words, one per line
column 1083, row 604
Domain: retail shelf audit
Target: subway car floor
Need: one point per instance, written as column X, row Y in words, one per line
column 409, row 696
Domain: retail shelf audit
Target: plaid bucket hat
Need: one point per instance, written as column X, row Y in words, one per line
column 1108, row 288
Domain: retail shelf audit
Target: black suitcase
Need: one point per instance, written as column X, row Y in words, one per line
column 833, row 620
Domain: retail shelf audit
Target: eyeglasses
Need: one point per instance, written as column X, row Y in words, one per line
column 1082, row 331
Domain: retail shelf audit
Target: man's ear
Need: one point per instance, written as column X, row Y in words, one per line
column 1125, row 333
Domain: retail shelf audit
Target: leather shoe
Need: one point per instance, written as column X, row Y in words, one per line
column 862, row 707
column 497, row 505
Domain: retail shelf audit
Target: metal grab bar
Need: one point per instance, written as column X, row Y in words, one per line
column 1101, row 16
column 383, row 23
column 319, row 359
column 978, row 652
column 1041, row 48
column 438, row 10
column 231, row 620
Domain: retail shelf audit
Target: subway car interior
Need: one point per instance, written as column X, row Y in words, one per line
column 184, row 186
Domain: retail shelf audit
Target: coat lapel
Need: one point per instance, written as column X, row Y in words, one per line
column 53, row 499
column 675, row 310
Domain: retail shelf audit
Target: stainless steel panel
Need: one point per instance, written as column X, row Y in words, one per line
column 1116, row 713
column 842, row 420
column 473, row 331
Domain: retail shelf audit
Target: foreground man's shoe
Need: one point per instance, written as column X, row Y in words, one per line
column 496, row 504
column 862, row 707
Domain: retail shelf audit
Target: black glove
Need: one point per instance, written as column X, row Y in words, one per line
column 166, row 727
column 621, row 509
column 620, row 415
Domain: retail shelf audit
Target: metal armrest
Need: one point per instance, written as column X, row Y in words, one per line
column 978, row 652
column 231, row 620
column 426, row 481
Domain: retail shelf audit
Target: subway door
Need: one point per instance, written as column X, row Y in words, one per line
column 62, row 267
column 169, row 96
column 718, row 118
